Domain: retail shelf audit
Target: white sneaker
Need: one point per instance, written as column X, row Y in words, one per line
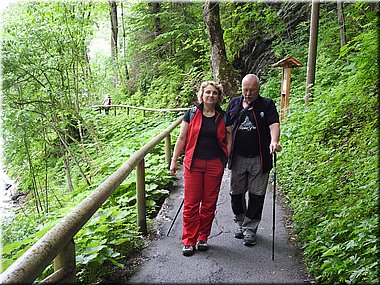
column 188, row 250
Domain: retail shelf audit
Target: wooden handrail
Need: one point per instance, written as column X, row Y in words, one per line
column 142, row 108
column 127, row 107
column 58, row 242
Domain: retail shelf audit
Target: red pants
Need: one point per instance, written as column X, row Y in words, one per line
column 202, row 185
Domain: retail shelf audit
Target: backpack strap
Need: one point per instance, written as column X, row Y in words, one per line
column 225, row 117
column 192, row 112
column 244, row 110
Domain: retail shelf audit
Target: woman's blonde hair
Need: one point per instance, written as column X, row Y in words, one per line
column 218, row 87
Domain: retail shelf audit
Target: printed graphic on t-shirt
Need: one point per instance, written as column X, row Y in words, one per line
column 246, row 140
column 247, row 125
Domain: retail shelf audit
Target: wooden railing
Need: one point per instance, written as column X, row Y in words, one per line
column 128, row 107
column 58, row 243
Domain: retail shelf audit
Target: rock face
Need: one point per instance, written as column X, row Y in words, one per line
column 258, row 55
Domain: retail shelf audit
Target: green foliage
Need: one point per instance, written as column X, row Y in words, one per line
column 112, row 233
column 168, row 63
column 244, row 23
column 329, row 166
column 44, row 84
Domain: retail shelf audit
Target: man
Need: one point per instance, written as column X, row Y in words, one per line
column 255, row 134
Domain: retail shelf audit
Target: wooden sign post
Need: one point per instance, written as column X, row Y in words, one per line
column 286, row 64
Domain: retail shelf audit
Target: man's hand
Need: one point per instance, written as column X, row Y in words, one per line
column 274, row 147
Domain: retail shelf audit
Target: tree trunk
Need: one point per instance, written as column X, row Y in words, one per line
column 341, row 23
column 156, row 8
column 66, row 165
column 124, row 44
column 114, row 33
column 114, row 28
column 33, row 183
column 63, row 142
column 312, row 56
column 157, row 30
column 222, row 71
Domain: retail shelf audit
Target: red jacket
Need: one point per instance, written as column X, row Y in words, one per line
column 193, row 133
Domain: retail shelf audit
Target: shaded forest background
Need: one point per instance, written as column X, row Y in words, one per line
column 61, row 58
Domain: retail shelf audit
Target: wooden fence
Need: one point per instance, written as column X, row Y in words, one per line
column 128, row 107
column 58, row 243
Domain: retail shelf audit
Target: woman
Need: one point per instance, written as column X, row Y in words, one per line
column 203, row 134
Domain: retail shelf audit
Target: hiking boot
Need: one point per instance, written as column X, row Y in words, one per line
column 239, row 232
column 188, row 250
column 202, row 245
column 249, row 238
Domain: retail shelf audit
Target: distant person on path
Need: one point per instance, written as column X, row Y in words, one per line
column 203, row 134
column 255, row 135
column 106, row 102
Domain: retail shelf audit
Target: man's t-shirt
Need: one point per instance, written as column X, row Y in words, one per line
column 246, row 141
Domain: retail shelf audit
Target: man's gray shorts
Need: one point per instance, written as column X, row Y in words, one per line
column 246, row 175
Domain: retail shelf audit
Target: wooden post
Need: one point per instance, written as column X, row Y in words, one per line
column 285, row 92
column 140, row 197
column 312, row 53
column 65, row 263
column 286, row 64
column 168, row 150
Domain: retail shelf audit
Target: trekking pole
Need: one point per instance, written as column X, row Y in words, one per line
column 179, row 209
column 274, row 201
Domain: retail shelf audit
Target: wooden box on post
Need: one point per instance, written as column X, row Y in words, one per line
column 286, row 64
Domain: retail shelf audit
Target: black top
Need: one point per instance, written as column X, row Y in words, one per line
column 207, row 144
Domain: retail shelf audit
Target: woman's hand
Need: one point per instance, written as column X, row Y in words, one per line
column 173, row 168
column 179, row 145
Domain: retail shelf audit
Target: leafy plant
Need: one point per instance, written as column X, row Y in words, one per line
column 330, row 158
column 112, row 233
